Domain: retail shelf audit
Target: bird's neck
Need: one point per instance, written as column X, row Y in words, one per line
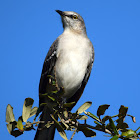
column 78, row 32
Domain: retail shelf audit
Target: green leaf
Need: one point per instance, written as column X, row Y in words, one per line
column 65, row 114
column 16, row 133
column 27, row 108
column 128, row 134
column 52, row 98
column 45, row 94
column 20, row 125
column 59, row 128
column 54, row 83
column 33, row 111
column 84, row 107
column 9, row 128
column 42, row 104
column 122, row 125
column 101, row 110
column 55, row 91
column 50, row 76
column 9, row 114
column 92, row 116
column 133, row 138
column 122, row 111
column 49, row 124
column 82, row 117
column 114, row 137
column 113, row 126
column 68, row 104
column 105, row 118
column 87, row 132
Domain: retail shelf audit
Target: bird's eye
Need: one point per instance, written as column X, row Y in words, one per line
column 75, row 17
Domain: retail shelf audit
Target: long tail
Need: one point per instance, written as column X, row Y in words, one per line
column 45, row 133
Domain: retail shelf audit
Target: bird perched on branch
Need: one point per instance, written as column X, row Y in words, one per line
column 69, row 60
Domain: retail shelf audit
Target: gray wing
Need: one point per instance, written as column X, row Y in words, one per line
column 50, row 59
column 79, row 92
column 48, row 67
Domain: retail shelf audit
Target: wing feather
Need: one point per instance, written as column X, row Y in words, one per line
column 48, row 66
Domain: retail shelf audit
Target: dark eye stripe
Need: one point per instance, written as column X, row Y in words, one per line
column 71, row 16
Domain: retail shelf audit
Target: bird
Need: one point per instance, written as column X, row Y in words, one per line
column 70, row 59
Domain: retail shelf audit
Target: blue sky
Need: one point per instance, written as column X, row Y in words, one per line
column 29, row 27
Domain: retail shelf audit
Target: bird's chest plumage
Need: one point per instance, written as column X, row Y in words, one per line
column 73, row 56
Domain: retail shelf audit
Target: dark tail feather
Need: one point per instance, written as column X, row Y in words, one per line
column 45, row 133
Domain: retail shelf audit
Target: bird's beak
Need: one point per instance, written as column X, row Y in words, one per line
column 61, row 13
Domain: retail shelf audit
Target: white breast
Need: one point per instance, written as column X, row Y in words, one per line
column 74, row 55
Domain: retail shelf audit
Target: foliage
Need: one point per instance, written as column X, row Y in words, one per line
column 17, row 128
column 114, row 126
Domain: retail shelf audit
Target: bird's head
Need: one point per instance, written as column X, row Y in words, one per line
column 73, row 21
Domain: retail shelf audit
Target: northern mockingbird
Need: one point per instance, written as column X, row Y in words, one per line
column 70, row 60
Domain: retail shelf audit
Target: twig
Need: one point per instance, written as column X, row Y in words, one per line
column 77, row 124
column 92, row 127
column 73, row 134
column 29, row 124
